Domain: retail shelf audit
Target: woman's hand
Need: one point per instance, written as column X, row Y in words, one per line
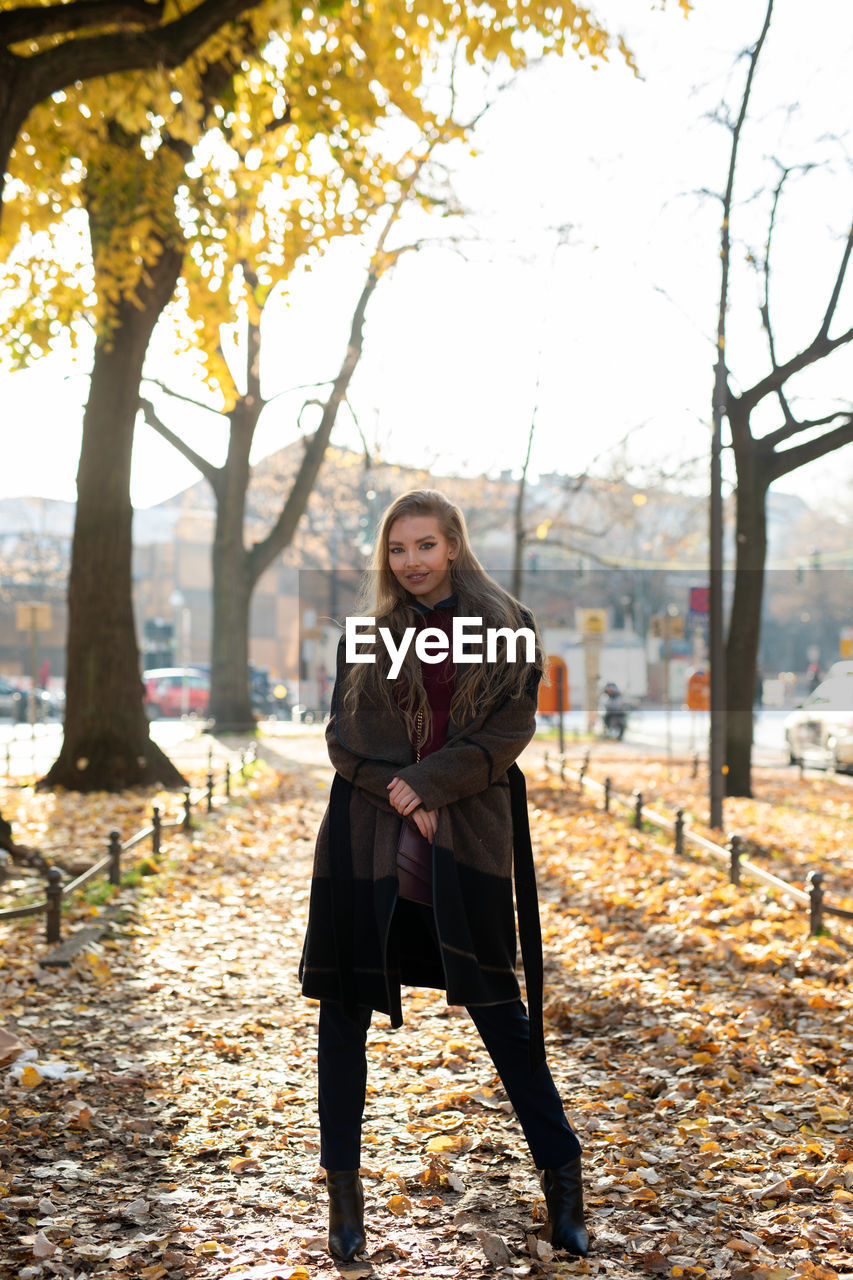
column 402, row 797
column 426, row 821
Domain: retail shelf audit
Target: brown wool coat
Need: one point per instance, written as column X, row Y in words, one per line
column 482, row 843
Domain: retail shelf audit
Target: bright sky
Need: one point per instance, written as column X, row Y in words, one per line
column 616, row 322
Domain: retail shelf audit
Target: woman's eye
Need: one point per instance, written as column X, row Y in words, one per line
column 427, row 546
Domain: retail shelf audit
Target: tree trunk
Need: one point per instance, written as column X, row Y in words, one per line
column 745, row 623
column 233, row 583
column 107, row 745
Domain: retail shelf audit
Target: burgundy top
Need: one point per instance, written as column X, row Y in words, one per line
column 439, row 678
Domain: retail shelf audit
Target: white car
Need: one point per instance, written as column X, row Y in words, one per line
column 820, row 732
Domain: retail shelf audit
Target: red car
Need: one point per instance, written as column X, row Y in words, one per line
column 176, row 691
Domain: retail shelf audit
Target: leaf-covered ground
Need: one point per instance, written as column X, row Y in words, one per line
column 702, row 1043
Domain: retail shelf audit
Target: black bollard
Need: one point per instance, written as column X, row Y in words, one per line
column 228, row 778
column 53, row 917
column 679, row 833
column 638, row 810
column 608, row 787
column 187, row 810
column 210, row 791
column 155, row 830
column 734, row 859
column 815, row 879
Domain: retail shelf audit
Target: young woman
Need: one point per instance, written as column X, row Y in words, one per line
column 425, row 832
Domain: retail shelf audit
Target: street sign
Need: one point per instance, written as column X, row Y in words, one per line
column 33, row 617
column 666, row 627
column 700, row 599
column 592, row 623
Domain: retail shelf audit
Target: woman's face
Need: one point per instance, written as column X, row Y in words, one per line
column 420, row 557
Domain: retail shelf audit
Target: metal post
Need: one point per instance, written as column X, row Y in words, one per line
column 115, row 858
column 228, row 777
column 187, row 810
column 53, row 917
column 734, row 859
column 695, row 764
column 638, row 810
column 155, row 830
column 608, row 786
column 561, row 742
column 243, row 765
column 679, row 832
column 210, row 791
column 581, row 773
column 716, row 647
column 815, row 879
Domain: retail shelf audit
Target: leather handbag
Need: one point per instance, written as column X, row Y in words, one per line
column 414, row 853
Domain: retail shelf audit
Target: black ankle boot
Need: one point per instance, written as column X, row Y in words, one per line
column 564, row 1198
column 346, row 1213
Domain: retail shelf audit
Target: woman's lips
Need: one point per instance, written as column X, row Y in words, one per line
column 416, row 577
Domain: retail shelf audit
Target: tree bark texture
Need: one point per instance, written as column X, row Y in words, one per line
column 233, row 584
column 107, row 745
column 745, row 617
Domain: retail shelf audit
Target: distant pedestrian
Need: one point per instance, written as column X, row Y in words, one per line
column 425, row 831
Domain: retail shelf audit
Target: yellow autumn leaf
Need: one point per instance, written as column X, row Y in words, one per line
column 399, row 1205
column 30, row 1077
column 833, row 1115
column 447, row 1142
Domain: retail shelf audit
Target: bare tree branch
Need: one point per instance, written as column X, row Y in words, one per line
column 816, row 350
column 178, row 395
column 211, row 473
column 836, row 289
column 794, row 428
column 722, row 392
column 790, row 459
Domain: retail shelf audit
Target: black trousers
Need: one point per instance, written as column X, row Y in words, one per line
column 505, row 1032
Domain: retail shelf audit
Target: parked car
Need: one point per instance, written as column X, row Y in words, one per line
column 174, row 691
column 15, row 703
column 820, row 732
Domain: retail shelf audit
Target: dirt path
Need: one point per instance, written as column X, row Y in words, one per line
column 702, row 1045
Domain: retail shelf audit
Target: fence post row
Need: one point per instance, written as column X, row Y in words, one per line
column 735, row 847
column 54, row 890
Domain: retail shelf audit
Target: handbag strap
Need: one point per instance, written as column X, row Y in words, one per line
column 419, row 724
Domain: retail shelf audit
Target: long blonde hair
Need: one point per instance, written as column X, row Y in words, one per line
column 383, row 597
